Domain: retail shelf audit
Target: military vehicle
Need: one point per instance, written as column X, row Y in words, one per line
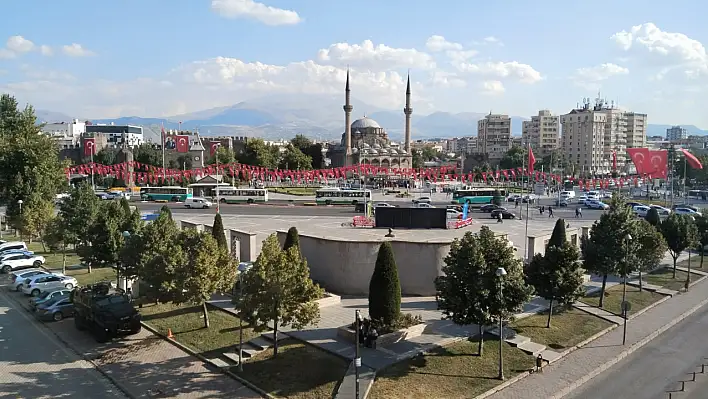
column 105, row 311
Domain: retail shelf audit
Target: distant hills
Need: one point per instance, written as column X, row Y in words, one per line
column 316, row 116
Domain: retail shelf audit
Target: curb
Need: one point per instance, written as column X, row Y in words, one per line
column 503, row 385
column 575, row 385
column 83, row 356
column 191, row 352
column 585, row 342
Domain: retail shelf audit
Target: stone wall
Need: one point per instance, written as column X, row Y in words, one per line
column 245, row 243
column 537, row 243
column 190, row 225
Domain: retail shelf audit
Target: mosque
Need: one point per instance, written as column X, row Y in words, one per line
column 364, row 141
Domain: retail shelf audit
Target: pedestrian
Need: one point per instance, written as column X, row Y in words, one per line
column 500, row 219
column 577, row 212
column 539, row 364
column 550, row 212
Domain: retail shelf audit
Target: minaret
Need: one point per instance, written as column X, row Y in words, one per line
column 408, row 111
column 347, row 118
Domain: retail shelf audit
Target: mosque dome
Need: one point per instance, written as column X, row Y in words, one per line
column 364, row 123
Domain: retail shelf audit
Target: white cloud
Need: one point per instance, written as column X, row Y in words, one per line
column 438, row 43
column 19, row 44
column 514, row 70
column 492, row 40
column 76, row 50
column 253, row 10
column 46, row 50
column 376, row 57
column 493, row 88
column 6, row 54
column 600, row 72
column 446, row 79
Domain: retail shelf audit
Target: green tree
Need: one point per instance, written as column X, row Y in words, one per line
column 148, row 155
column 107, row 156
column 36, row 215
column 558, row 237
column 652, row 248
column 680, row 233
column 314, row 151
column 605, row 251
column 217, row 231
column 428, row 153
column 258, row 153
column 292, row 239
column 514, row 158
column 294, row 159
column 702, row 227
column 208, row 269
column 223, row 155
column 55, row 238
column 278, row 290
column 653, row 217
column 79, row 212
column 184, row 162
column 417, row 161
column 166, row 211
column 385, row 288
column 301, row 142
column 104, row 239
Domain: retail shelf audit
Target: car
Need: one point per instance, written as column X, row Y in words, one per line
column 12, row 246
column 47, row 296
column 120, row 194
column 693, row 208
column 14, row 254
column 383, row 205
column 23, row 262
column 453, row 214
column 513, row 198
column 422, row 200
column 632, row 204
column 35, row 285
column 530, row 198
column 596, row 205
column 424, row 205
column 55, row 309
column 687, row 211
column 606, row 195
column 562, row 202
column 662, row 211
column 104, row 196
column 490, row 207
column 504, row 214
column 197, row 203
column 641, row 210
column 18, row 278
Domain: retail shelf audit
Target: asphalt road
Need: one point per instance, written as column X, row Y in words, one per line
column 657, row 367
column 35, row 364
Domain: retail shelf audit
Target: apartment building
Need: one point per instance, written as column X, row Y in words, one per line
column 464, row 145
column 636, row 130
column 66, row 135
column 116, row 133
column 676, row 133
column 541, row 132
column 494, row 135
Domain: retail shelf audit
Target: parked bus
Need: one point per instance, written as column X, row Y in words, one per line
column 174, row 194
column 235, row 195
column 483, row 195
column 330, row 196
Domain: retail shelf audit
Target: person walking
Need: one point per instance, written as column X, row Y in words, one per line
column 550, row 212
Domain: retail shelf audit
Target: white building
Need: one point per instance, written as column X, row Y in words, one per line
column 541, row 132
column 66, row 135
column 464, row 145
column 494, row 135
column 636, row 130
column 676, row 133
column 114, row 134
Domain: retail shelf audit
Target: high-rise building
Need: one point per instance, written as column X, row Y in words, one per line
column 594, row 134
column 494, row 135
column 541, row 132
column 676, row 133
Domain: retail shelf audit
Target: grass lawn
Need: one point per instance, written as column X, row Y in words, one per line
column 568, row 328
column 300, row 191
column 97, row 274
column 695, row 263
column 454, row 371
column 187, row 326
column 665, row 278
column 613, row 299
column 300, row 371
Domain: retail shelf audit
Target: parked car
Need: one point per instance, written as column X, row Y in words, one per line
column 687, row 211
column 513, row 197
column 490, row 207
column 14, row 254
column 12, row 246
column 504, row 214
column 55, row 309
column 632, row 204
column 18, row 278
column 22, row 262
column 453, row 214
column 686, row 206
column 422, row 200
column 530, row 198
column 383, row 205
column 424, row 205
column 47, row 296
column 662, row 211
column 593, row 204
column 641, row 210
column 38, row 284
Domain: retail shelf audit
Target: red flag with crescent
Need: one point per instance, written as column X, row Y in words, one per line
column 213, row 147
column 89, row 147
column 641, row 159
column 658, row 164
column 182, row 143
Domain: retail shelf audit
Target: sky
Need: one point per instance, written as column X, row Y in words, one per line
column 160, row 58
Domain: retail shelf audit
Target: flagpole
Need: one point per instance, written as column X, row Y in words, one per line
column 164, row 171
column 685, row 177
column 523, row 166
column 528, row 201
column 93, row 185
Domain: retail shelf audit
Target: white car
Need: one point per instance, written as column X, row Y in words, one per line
column 596, row 205
column 37, row 284
column 383, row 205
column 14, row 255
column 687, row 211
column 424, row 205
column 513, row 197
column 422, row 200
column 12, row 246
column 197, row 203
column 454, row 214
column 662, row 211
column 18, row 278
column 641, row 210
column 22, row 262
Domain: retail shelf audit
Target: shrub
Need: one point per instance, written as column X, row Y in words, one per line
column 385, row 288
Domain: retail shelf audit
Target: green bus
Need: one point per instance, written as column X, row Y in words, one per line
column 169, row 193
column 482, row 195
column 235, row 195
column 337, row 196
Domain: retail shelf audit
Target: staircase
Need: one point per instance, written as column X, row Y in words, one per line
column 250, row 349
column 525, row 344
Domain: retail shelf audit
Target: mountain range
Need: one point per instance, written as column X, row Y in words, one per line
column 316, row 116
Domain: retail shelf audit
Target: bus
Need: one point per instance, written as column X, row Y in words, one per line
column 482, row 195
column 235, row 195
column 330, row 196
column 170, row 193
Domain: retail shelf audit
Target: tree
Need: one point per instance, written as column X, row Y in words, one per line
column 557, row 275
column 258, row 153
column 217, row 231
column 166, row 211
column 292, row 239
column 498, row 198
column 307, row 147
column 208, row 269
column 702, row 227
column 605, row 251
column 36, row 215
column 417, row 161
column 680, row 233
column 558, row 237
column 55, row 238
column 301, row 142
column 278, row 290
column 223, row 155
column 79, row 212
column 148, row 155
column 514, row 158
column 385, row 288
column 652, row 248
column 653, row 217
column 105, row 238
column 428, row 153
column 294, row 159
column 107, row 156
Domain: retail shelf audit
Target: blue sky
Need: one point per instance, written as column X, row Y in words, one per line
column 161, row 58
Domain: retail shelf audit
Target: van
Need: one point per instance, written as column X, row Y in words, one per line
column 197, row 203
column 567, row 194
column 12, row 245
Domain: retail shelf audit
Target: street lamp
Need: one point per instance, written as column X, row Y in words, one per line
column 625, row 304
column 20, row 202
column 242, row 268
column 501, row 272
column 126, row 236
column 357, row 360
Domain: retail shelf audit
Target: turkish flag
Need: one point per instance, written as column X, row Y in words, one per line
column 658, row 163
column 692, row 160
column 532, row 160
column 182, row 143
column 213, row 147
column 641, row 159
column 89, row 147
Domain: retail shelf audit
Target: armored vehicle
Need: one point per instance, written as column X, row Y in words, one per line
column 105, row 311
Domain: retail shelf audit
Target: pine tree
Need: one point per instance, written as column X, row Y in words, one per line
column 217, row 231
column 166, row 210
column 558, row 237
column 653, row 217
column 385, row 288
column 292, row 239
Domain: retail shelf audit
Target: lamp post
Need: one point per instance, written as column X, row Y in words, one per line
column 20, row 202
column 126, row 236
column 501, row 272
column 625, row 304
column 242, row 268
column 357, row 360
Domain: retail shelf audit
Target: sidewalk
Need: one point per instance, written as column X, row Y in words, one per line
column 559, row 378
